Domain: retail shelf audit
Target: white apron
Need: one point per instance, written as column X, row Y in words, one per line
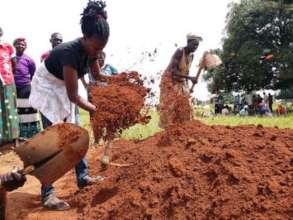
column 49, row 96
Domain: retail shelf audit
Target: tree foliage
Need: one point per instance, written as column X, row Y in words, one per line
column 257, row 48
column 285, row 94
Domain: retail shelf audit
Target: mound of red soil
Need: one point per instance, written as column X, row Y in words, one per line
column 119, row 104
column 194, row 171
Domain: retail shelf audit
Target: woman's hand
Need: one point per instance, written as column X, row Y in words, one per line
column 193, row 79
column 92, row 108
column 12, row 181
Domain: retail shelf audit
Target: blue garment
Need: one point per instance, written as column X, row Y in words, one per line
column 243, row 112
column 107, row 70
column 81, row 169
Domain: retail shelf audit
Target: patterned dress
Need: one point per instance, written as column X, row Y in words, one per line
column 175, row 106
column 9, row 121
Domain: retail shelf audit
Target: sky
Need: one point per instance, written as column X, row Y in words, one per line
column 137, row 28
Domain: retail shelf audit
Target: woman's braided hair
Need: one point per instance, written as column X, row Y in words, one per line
column 94, row 20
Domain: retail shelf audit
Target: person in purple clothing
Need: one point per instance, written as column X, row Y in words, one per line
column 24, row 69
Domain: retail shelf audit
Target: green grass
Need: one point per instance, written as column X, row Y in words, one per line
column 280, row 122
column 84, row 118
column 140, row 132
column 137, row 132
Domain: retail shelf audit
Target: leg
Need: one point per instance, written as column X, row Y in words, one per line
column 49, row 199
column 82, row 177
column 46, row 191
column 29, row 121
column 81, row 170
column 105, row 158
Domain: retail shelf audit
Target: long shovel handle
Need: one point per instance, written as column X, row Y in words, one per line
column 191, row 89
column 197, row 76
column 27, row 170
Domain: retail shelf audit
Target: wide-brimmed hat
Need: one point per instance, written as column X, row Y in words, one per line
column 191, row 36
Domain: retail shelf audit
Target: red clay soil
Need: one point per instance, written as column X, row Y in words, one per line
column 195, row 171
column 174, row 105
column 119, row 104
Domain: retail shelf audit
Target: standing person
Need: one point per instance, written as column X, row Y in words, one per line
column 55, row 40
column 236, row 104
column 218, row 103
column 174, row 84
column 24, row 69
column 9, row 121
column 270, row 101
column 55, row 85
column 265, row 98
column 106, row 69
column 249, row 102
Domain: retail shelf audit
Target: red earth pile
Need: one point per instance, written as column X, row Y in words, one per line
column 195, row 171
column 119, row 104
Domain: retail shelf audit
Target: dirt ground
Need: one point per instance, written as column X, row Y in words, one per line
column 191, row 171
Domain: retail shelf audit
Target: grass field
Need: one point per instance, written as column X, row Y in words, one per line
column 143, row 131
column 280, row 122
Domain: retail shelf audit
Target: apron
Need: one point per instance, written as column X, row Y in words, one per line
column 49, row 96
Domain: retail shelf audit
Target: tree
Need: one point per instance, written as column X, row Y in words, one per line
column 257, row 48
column 285, row 94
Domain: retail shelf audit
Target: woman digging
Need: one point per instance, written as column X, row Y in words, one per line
column 55, row 85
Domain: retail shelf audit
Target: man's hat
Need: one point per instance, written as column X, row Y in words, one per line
column 191, row 36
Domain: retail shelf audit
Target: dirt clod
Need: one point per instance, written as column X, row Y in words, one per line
column 119, row 104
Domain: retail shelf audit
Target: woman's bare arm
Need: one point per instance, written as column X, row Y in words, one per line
column 71, row 83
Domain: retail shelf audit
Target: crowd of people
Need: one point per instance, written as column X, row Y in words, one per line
column 254, row 104
column 248, row 104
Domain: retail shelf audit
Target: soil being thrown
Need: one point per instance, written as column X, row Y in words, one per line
column 175, row 106
column 119, row 104
column 195, row 171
